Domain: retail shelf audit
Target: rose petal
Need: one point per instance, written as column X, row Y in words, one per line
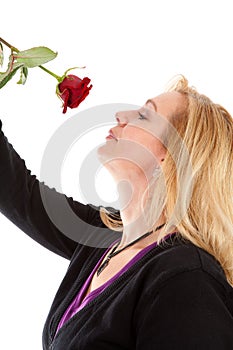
column 65, row 97
column 73, row 91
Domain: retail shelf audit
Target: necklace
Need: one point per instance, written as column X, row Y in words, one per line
column 113, row 253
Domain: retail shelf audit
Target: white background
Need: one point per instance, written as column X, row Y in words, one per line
column 131, row 49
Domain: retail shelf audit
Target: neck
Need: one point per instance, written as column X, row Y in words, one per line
column 133, row 220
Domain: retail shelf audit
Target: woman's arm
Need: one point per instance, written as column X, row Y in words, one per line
column 190, row 311
column 21, row 202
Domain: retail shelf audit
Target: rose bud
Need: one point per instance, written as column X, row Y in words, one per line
column 73, row 90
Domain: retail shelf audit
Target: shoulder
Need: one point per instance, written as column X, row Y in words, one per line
column 178, row 257
column 189, row 305
column 183, row 278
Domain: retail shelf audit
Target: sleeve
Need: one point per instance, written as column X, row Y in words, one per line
column 188, row 312
column 22, row 203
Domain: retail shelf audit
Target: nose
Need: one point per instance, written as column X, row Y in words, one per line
column 120, row 121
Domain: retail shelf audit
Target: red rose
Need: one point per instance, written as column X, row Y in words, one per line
column 73, row 90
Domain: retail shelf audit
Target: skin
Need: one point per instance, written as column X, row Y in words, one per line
column 132, row 158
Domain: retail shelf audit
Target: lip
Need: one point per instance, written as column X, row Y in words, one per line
column 111, row 135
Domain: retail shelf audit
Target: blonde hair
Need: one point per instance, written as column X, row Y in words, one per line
column 200, row 204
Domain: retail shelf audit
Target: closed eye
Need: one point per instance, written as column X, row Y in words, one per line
column 141, row 116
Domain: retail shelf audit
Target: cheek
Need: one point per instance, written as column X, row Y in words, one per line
column 138, row 150
column 144, row 138
column 136, row 134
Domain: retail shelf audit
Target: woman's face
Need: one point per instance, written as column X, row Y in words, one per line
column 138, row 144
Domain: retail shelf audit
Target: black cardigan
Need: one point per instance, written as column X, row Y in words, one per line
column 175, row 297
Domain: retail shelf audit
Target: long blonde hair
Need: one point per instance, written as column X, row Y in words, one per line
column 199, row 203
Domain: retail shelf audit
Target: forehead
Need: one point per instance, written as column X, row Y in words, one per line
column 167, row 103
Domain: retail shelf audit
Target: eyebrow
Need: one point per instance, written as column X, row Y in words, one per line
column 152, row 102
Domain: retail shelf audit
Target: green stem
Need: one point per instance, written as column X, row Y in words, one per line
column 9, row 45
column 59, row 79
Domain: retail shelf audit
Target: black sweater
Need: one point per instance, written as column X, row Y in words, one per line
column 175, row 297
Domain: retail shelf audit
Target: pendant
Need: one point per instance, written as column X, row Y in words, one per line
column 102, row 267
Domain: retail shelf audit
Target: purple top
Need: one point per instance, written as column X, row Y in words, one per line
column 78, row 303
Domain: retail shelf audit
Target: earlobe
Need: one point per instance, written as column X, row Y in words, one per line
column 156, row 172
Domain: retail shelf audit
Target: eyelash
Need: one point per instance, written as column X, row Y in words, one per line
column 141, row 115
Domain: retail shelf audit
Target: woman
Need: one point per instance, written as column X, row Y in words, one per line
column 166, row 281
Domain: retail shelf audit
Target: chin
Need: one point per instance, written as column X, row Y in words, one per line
column 105, row 152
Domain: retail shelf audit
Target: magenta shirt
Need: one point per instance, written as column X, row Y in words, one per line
column 78, row 303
